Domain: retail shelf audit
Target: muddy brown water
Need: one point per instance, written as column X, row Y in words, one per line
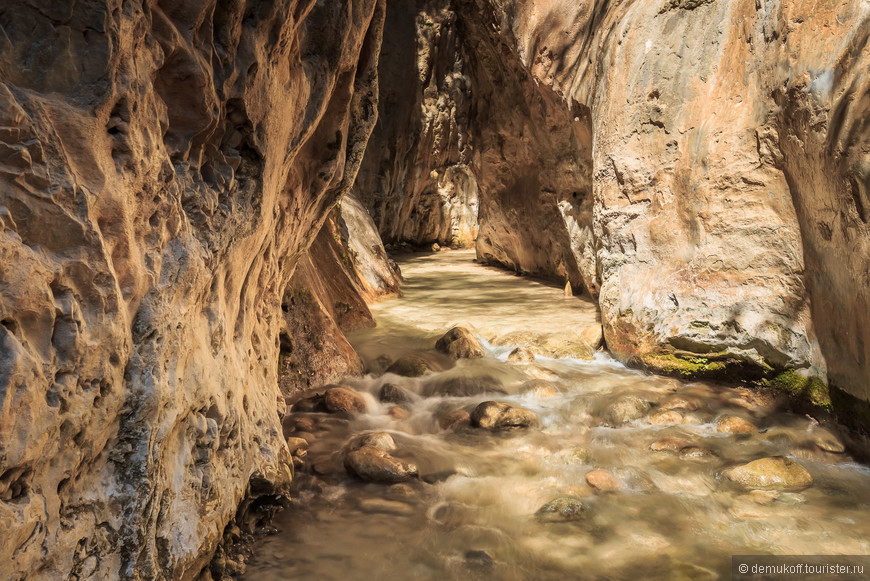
column 472, row 515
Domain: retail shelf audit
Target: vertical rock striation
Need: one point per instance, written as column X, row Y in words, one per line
column 729, row 175
column 163, row 167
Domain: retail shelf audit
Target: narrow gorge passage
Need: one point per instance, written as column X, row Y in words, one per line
column 591, row 459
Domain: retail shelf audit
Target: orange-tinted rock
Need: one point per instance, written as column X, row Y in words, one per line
column 602, row 480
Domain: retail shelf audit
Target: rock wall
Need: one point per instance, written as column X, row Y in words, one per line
column 163, row 167
column 416, row 179
column 729, row 176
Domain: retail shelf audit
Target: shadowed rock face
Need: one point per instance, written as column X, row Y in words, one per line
column 723, row 209
column 163, row 166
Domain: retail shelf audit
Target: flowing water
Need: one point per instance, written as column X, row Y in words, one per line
column 472, row 512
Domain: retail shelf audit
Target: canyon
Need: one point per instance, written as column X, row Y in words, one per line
column 196, row 198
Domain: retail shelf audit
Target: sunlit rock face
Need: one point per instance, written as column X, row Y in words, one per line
column 163, row 166
column 730, row 175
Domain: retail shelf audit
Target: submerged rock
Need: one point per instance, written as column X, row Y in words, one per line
column 344, row 401
column 392, row 393
column 665, row 417
column 493, row 415
column 564, row 509
column 412, row 366
column 777, row 472
column 377, row 465
column 827, row 441
column 677, row 402
column 670, row 444
column 626, row 409
column 539, row 388
column 460, row 343
column 602, row 480
column 521, row 355
column 735, row 425
column 697, row 453
column 454, row 419
column 462, row 386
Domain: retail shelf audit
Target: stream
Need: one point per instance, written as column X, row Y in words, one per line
column 620, row 475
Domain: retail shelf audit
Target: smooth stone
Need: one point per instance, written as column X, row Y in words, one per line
column 593, row 335
column 399, row 413
column 777, row 472
column 626, row 409
column 521, row 355
column 297, row 446
column 377, row 465
column 382, row 440
column 392, row 393
column 539, row 388
column 827, row 441
column 697, row 453
column 670, row 444
column 411, row 366
column 602, row 480
column 666, row 417
column 454, row 419
column 564, row 509
column 735, row 425
column 382, row 506
column 460, row 343
column 340, row 400
column 579, row 456
column 493, row 415
column 462, row 386
column 676, row 402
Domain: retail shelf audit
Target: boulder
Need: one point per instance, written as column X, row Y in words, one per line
column 539, row 388
column 460, row 343
column 827, row 441
column 493, row 415
column 454, row 419
column 593, row 335
column 412, row 366
column 774, row 473
column 666, row 417
column 377, row 465
column 735, row 425
column 521, row 355
column 626, row 409
column 462, row 386
column 564, row 509
column 344, row 401
column 392, row 393
column 602, row 480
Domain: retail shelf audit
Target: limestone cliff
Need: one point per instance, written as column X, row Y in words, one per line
column 706, row 164
column 163, row 166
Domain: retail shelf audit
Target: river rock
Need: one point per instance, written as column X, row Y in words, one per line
column 666, row 417
column 399, row 413
column 493, row 415
column 454, row 419
column 377, row 465
column 344, row 401
column 539, row 388
column 679, row 402
column 521, row 355
column 626, row 409
column 392, row 393
column 411, row 366
column 602, row 480
column 777, row 472
column 698, row 453
column 593, row 335
column 735, row 425
column 381, row 440
column 462, row 386
column 827, row 441
column 297, row 446
column 460, row 343
column 564, row 509
column 670, row 444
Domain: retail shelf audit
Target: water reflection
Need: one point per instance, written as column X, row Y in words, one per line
column 471, row 514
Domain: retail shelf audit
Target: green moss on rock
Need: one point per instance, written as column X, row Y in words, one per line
column 811, row 389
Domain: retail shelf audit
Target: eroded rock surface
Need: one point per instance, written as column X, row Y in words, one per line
column 163, row 166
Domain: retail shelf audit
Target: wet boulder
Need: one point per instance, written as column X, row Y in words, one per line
column 539, row 388
column 735, row 425
column 825, row 440
column 564, row 509
column 460, row 343
column 626, row 409
column 602, row 480
column 392, row 393
column 375, row 464
column 776, row 472
column 462, row 386
column 344, row 401
column 493, row 415
column 666, row 417
column 521, row 355
column 382, row 440
column 454, row 420
column 412, row 366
